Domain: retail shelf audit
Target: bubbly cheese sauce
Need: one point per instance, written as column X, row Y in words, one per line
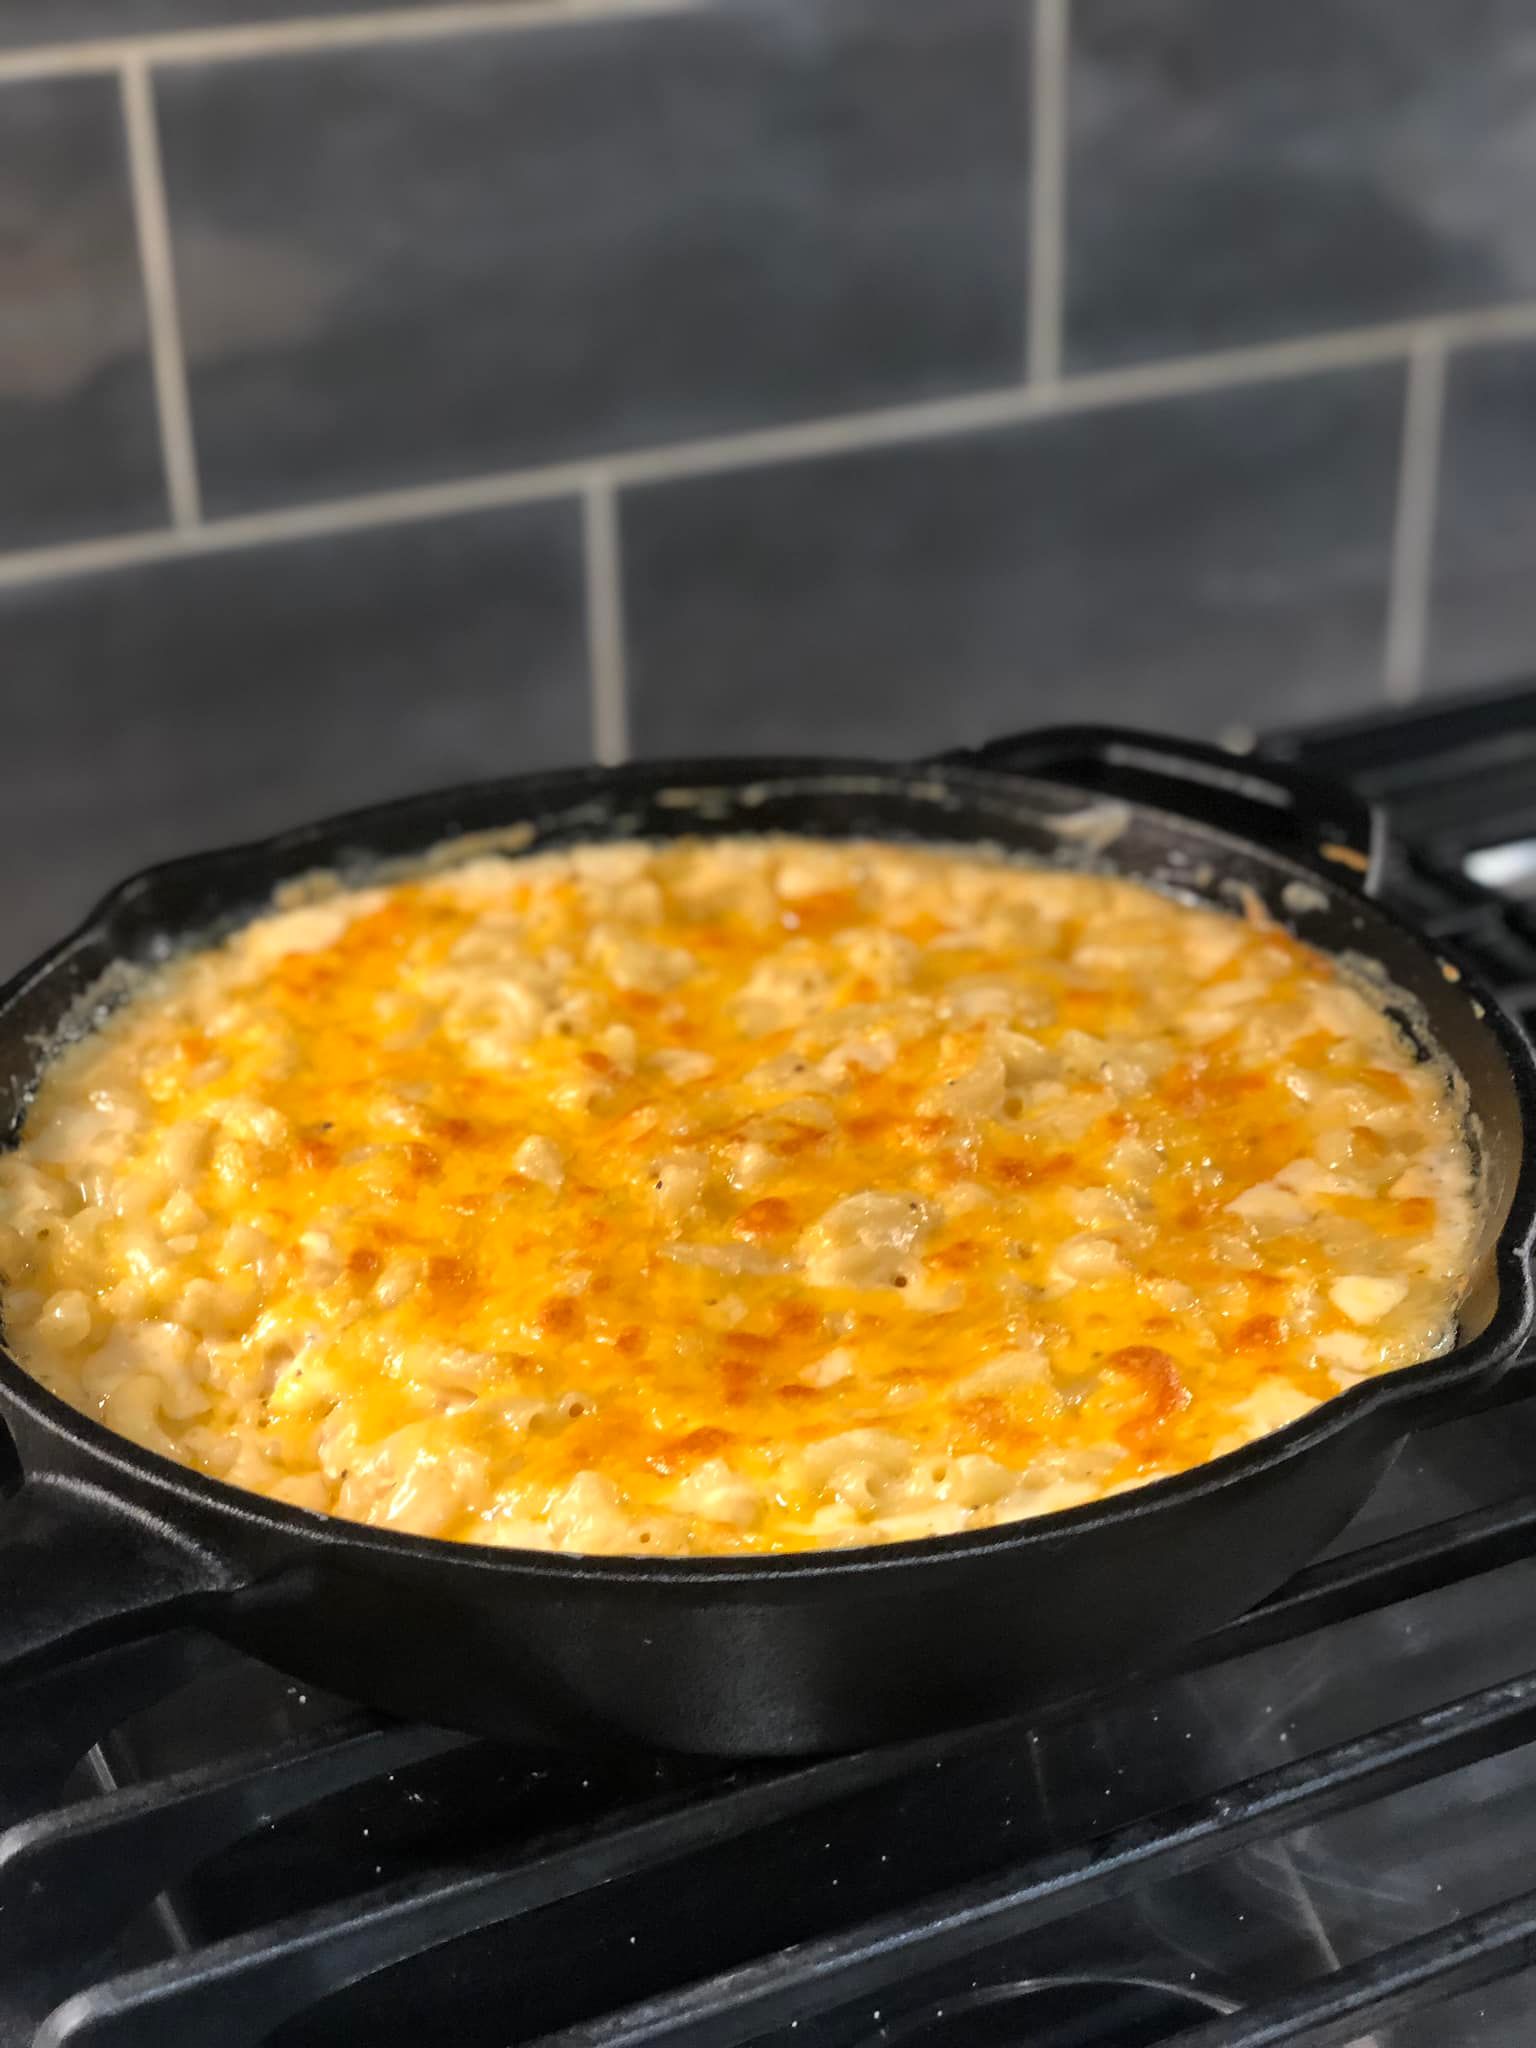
column 730, row 1195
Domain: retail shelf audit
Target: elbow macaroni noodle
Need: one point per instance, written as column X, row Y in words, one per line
column 730, row 1195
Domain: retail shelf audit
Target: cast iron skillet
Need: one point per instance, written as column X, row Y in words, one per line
column 816, row 1651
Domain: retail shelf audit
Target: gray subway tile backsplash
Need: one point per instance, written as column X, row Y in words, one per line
column 412, row 262
column 1483, row 594
column 405, row 260
column 79, row 451
column 154, row 710
column 1191, row 562
column 1240, row 172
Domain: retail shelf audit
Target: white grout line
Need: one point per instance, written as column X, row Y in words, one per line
column 1016, row 404
column 810, row 440
column 1414, row 533
column 293, row 522
column 165, row 351
column 1047, row 189
column 305, row 33
column 605, row 623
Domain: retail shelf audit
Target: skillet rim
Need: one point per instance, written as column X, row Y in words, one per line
column 212, row 1504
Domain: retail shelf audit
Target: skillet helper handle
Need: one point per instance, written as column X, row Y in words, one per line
column 80, row 1571
column 1247, row 794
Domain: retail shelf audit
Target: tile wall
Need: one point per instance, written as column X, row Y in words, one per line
column 392, row 394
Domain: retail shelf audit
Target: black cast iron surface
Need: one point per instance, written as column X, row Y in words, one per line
column 1315, row 1825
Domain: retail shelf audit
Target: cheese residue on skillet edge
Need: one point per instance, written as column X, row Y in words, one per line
column 730, row 1195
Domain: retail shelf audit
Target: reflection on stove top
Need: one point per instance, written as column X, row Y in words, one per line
column 1509, row 867
column 1056, row 2012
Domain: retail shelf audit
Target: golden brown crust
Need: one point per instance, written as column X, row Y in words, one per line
column 746, row 1194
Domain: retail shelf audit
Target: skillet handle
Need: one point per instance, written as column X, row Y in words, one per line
column 80, row 1571
column 1256, row 798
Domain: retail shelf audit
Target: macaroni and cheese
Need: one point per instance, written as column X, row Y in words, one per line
column 730, row 1195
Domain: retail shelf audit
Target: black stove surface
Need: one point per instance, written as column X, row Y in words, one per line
column 1320, row 1828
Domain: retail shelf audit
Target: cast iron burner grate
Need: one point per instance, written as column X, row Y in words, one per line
column 1314, row 1827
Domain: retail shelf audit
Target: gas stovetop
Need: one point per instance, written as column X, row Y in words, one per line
column 1319, row 1828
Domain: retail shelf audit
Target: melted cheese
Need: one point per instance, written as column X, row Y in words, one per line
column 731, row 1195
